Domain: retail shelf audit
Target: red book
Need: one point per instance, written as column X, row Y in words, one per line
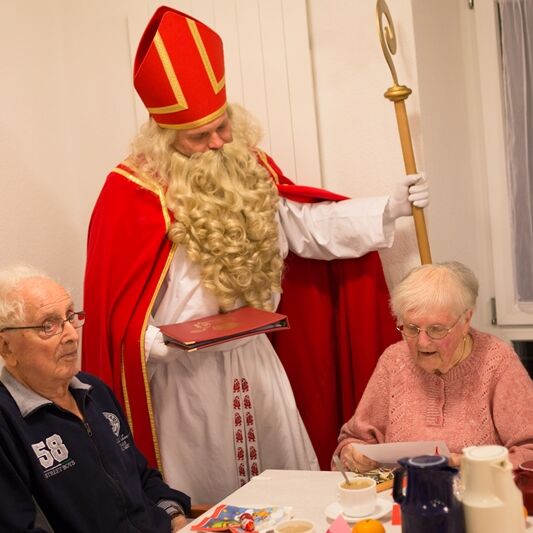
column 216, row 329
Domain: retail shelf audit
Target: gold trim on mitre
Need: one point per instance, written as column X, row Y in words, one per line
column 172, row 80
column 217, row 85
column 195, row 123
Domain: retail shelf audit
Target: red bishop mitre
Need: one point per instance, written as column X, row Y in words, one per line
column 179, row 71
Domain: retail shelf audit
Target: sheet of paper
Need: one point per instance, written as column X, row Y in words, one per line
column 390, row 452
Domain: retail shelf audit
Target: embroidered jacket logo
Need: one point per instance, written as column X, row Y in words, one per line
column 53, row 455
column 114, row 422
column 121, row 439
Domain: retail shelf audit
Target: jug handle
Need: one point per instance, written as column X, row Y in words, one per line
column 397, row 487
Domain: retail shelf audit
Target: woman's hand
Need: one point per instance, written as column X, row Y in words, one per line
column 356, row 461
column 177, row 523
column 455, row 459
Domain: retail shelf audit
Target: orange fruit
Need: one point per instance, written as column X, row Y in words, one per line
column 524, row 510
column 368, row 526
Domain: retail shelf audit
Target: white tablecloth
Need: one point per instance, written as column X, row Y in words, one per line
column 308, row 493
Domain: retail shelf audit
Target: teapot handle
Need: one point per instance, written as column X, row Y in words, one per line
column 397, row 487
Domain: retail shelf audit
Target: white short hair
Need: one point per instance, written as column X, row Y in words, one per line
column 12, row 306
column 450, row 285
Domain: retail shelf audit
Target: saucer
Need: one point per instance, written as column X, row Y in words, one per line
column 383, row 506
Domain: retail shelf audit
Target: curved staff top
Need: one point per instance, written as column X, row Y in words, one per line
column 397, row 94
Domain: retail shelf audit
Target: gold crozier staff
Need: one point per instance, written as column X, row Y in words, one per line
column 397, row 94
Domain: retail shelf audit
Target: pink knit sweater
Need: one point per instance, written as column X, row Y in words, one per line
column 486, row 399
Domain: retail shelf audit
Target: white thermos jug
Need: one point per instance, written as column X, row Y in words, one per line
column 492, row 502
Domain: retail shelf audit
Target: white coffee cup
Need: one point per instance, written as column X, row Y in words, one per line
column 359, row 497
column 295, row 526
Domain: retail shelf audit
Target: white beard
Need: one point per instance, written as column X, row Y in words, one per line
column 225, row 207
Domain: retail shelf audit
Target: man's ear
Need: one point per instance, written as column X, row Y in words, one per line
column 5, row 347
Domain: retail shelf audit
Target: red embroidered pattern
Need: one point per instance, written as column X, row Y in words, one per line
column 244, row 432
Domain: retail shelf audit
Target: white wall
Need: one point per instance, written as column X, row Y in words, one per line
column 451, row 119
column 63, row 125
column 360, row 148
column 69, row 114
column 70, row 109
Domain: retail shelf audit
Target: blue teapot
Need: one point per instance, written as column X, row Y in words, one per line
column 424, row 488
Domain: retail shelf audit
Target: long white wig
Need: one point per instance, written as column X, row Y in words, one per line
column 225, row 206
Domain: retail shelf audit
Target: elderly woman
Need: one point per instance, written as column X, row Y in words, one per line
column 67, row 456
column 445, row 380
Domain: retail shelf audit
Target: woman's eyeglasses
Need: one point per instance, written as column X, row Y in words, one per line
column 436, row 331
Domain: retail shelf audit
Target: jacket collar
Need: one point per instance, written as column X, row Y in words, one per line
column 28, row 400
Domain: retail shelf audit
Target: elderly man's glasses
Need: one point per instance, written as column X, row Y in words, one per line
column 436, row 332
column 54, row 326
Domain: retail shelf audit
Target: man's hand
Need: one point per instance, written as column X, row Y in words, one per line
column 412, row 189
column 355, row 461
column 177, row 523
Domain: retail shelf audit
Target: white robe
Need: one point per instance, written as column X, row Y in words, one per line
column 226, row 413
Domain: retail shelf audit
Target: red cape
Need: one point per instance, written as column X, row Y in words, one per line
column 337, row 310
column 340, row 324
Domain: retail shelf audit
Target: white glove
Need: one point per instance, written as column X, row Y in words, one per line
column 155, row 347
column 412, row 189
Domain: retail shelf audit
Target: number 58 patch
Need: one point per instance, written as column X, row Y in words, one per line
column 52, row 454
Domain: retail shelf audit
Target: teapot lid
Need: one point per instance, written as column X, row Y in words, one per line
column 427, row 461
column 484, row 453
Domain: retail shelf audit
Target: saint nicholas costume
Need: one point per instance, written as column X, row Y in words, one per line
column 212, row 418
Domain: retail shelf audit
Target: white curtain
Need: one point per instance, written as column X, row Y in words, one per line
column 516, row 25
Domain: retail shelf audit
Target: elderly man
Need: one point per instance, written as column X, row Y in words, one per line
column 67, row 455
column 196, row 221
